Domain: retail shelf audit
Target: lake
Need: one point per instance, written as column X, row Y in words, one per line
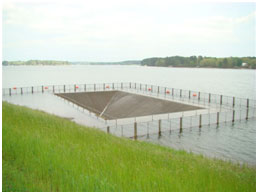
column 234, row 142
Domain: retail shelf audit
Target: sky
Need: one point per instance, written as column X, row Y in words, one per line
column 116, row 30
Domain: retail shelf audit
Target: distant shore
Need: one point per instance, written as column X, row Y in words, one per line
column 239, row 68
column 173, row 61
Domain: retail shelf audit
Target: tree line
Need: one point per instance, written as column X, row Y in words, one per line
column 174, row 61
column 36, row 62
column 200, row 61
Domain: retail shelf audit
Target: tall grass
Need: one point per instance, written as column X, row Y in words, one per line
column 42, row 152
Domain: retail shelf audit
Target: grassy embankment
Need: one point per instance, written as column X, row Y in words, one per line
column 42, row 152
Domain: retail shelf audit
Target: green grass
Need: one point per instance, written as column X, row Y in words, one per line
column 42, row 152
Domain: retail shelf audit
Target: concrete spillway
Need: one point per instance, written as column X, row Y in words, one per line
column 118, row 104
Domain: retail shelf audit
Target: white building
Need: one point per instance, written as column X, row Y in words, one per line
column 244, row 64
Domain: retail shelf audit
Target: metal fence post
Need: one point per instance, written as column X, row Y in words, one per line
column 42, row 89
column 32, row 89
column 165, row 90
column 21, row 91
column 180, row 93
column 10, row 91
column 134, row 85
column 135, row 130
column 140, row 86
column 84, row 87
column 209, row 97
column 233, row 116
column 113, row 86
column 172, row 91
column 200, row 121
column 247, row 102
column 159, row 127
column 233, row 101
column 181, row 124
column 74, row 87
column 158, row 89
column 94, row 87
column 189, row 94
column 199, row 95
column 104, row 86
column 217, row 118
column 108, row 129
column 64, row 88
column 247, row 110
column 130, row 85
column 145, row 87
column 220, row 99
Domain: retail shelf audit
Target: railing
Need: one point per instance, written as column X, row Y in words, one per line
column 174, row 93
column 138, row 129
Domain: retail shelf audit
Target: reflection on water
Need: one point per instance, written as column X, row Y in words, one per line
column 231, row 142
column 55, row 105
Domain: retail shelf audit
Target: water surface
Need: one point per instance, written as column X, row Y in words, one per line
column 231, row 142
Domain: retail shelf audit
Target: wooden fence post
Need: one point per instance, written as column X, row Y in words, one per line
column 181, row 124
column 200, row 121
column 159, row 127
column 135, row 130
column 217, row 118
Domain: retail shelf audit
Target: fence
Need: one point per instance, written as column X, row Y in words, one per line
column 137, row 129
column 218, row 108
column 166, row 92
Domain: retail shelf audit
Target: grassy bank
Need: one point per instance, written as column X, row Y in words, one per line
column 42, row 152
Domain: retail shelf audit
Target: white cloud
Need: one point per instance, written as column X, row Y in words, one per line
column 109, row 24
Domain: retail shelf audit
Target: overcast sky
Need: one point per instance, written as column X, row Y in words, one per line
column 125, row 29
